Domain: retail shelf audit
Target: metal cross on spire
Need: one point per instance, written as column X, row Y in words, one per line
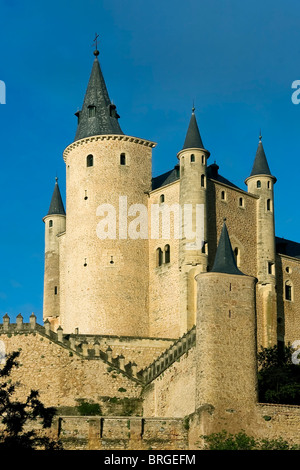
column 95, row 41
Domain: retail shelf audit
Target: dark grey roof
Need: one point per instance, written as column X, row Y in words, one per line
column 166, row 178
column 260, row 165
column 174, row 175
column 212, row 172
column 105, row 120
column 193, row 137
column 287, row 247
column 56, row 205
column 225, row 260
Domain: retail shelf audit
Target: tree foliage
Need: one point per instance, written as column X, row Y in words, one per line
column 278, row 377
column 16, row 417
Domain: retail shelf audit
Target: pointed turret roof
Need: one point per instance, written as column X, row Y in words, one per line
column 193, row 137
column 260, row 165
column 225, row 259
column 56, row 205
column 98, row 115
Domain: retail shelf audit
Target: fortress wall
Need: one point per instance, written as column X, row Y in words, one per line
column 164, row 318
column 172, row 393
column 288, row 311
column 61, row 376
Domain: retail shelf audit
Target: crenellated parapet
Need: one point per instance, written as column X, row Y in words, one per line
column 168, row 357
column 91, row 347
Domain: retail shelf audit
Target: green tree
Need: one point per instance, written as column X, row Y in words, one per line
column 278, row 377
column 15, row 416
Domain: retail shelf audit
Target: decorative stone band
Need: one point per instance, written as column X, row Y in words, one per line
column 87, row 350
column 172, row 354
column 95, row 138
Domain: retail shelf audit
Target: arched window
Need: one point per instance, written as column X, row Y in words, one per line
column 202, row 181
column 288, row 291
column 122, row 159
column 241, row 202
column 161, row 198
column 223, row 195
column 50, row 223
column 258, row 184
column 159, row 257
column 167, row 254
column 90, row 160
column 192, row 157
column 236, row 253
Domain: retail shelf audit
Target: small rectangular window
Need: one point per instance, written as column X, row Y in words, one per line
column 55, row 290
column 288, row 292
column 122, row 159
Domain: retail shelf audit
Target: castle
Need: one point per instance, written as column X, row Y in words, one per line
column 161, row 331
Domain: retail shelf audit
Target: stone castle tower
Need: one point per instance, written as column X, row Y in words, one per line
column 115, row 284
column 158, row 292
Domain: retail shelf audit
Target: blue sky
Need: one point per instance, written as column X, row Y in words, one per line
column 237, row 61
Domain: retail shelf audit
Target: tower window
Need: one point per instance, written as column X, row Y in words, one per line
column 50, row 223
column 167, row 254
column 269, row 184
column 271, row 268
column 55, row 290
column 203, row 159
column 241, row 202
column 92, row 111
column 288, row 291
column 122, row 159
column 202, row 181
column 268, row 204
column 258, row 184
column 223, row 196
column 161, row 198
column 192, row 157
column 90, row 160
column 159, row 257
column 236, row 253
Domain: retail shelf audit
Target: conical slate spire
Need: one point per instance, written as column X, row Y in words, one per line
column 225, row 260
column 56, row 205
column 193, row 137
column 98, row 115
column 260, row 165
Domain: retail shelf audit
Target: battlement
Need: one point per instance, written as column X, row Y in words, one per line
column 172, row 354
column 88, row 347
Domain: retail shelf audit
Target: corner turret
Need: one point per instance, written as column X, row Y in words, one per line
column 55, row 224
column 261, row 184
column 193, row 243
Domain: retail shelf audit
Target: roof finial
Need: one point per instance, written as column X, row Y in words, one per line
column 96, row 52
column 193, row 108
column 260, row 136
column 56, row 179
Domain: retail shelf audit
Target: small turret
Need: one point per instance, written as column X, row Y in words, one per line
column 55, row 223
column 261, row 183
column 193, row 243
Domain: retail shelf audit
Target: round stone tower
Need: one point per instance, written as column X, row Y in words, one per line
column 55, row 224
column 108, row 176
column 226, row 338
column 193, row 201
column 261, row 183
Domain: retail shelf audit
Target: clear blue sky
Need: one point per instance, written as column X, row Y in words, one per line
column 235, row 59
